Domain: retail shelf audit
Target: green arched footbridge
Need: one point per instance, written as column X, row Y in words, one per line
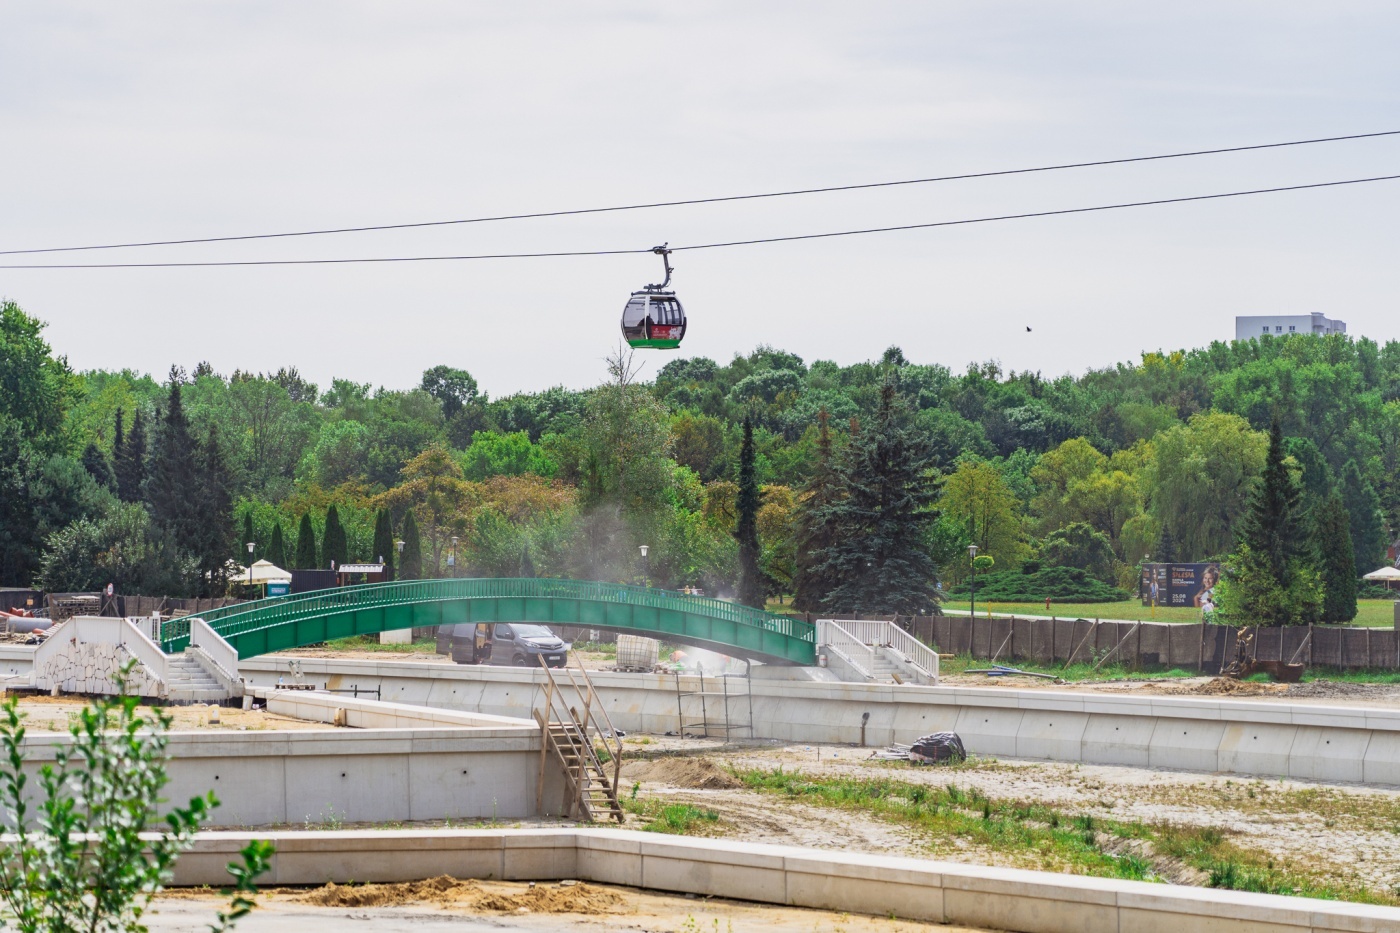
column 265, row 625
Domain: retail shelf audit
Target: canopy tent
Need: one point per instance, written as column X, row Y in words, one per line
column 263, row 572
column 1385, row 573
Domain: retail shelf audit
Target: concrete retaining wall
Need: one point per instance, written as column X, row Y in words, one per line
column 911, row 889
column 428, row 765
column 1271, row 740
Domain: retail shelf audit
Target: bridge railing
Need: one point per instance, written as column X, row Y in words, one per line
column 259, row 614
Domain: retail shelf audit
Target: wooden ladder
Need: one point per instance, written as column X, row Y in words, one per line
column 590, row 790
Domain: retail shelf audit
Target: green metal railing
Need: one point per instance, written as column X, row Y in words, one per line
column 274, row 624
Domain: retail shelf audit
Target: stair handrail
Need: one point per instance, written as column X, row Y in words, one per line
column 918, row 654
column 609, row 736
column 220, row 652
column 854, row 651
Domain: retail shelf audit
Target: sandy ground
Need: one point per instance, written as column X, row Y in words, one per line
column 1344, row 832
column 53, row 714
column 494, row 905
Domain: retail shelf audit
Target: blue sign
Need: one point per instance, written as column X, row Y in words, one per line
column 279, row 588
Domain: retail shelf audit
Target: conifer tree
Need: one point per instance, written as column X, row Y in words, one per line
column 384, row 543
column 1269, row 578
column 1166, row 547
column 1335, row 562
column 527, row 565
column 130, row 464
column 1272, row 526
column 118, row 439
column 752, row 588
column 214, row 515
column 412, row 564
column 333, row 544
column 277, row 548
column 172, row 485
column 816, row 527
column 95, row 462
column 306, row 544
column 879, row 556
column 1368, row 537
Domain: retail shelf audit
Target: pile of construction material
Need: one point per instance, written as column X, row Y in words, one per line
column 637, row 654
column 936, row 748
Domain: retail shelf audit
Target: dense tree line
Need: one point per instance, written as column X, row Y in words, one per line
column 849, row 487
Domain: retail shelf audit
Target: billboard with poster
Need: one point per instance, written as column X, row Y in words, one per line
column 1186, row 585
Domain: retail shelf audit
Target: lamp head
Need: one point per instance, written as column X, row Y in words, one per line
column 399, row 545
column 972, row 551
column 250, row 547
column 644, row 548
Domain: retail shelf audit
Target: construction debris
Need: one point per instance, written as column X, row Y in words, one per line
column 936, row 748
column 999, row 670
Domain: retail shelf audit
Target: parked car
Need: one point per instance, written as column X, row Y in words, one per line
column 518, row 644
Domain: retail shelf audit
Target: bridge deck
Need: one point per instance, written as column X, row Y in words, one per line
column 288, row 622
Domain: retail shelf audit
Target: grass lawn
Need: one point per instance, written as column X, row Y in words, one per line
column 1379, row 613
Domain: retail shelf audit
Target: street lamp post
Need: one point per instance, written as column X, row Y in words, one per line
column 398, row 546
column 250, row 563
column 646, row 564
column 452, row 558
column 972, row 560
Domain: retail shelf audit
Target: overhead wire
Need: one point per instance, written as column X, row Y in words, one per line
column 718, row 245
column 696, row 201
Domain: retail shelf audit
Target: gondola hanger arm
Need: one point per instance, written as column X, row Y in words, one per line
column 665, row 253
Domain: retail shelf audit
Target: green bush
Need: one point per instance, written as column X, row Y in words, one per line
column 1062, row 584
column 87, row 851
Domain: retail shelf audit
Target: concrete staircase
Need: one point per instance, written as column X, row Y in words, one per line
column 188, row 682
column 884, row 667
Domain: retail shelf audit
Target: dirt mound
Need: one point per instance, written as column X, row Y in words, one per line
column 555, row 899
column 439, row 890
column 1226, row 686
column 694, row 773
column 562, row 898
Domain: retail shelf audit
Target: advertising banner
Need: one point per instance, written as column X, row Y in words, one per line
column 1179, row 584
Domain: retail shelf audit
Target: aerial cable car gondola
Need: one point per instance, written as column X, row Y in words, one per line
column 653, row 317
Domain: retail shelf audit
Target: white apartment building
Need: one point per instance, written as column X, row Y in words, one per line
column 1249, row 326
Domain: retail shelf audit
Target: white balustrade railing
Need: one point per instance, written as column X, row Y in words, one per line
column 203, row 637
column 865, row 631
column 919, row 654
column 855, row 652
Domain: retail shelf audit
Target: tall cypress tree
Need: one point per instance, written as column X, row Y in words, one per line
column 1335, row 561
column 333, row 545
column 1368, row 537
column 816, row 529
column 130, row 464
column 384, row 543
column 412, row 565
column 118, row 438
column 277, row 549
column 172, row 486
column 215, row 514
column 306, row 544
column 880, row 553
column 752, row 588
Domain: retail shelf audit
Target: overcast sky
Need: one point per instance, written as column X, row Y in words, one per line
column 141, row 120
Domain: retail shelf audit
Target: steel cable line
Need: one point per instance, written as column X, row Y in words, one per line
column 720, row 245
column 694, row 201
column 702, row 245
